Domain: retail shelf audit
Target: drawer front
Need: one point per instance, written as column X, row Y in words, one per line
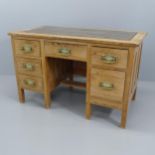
column 66, row 50
column 107, row 84
column 28, row 66
column 109, row 57
column 27, row 48
column 31, row 83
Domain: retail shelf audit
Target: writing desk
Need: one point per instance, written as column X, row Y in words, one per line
column 47, row 56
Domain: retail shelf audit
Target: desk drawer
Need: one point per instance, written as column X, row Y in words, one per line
column 31, row 83
column 107, row 84
column 66, row 50
column 27, row 48
column 109, row 57
column 29, row 66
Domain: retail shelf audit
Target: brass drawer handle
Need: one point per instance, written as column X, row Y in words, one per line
column 106, row 85
column 27, row 48
column 109, row 59
column 29, row 82
column 65, row 51
column 28, row 66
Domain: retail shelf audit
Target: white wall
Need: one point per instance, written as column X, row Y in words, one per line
column 133, row 15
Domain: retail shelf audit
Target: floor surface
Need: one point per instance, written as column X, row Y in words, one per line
column 30, row 129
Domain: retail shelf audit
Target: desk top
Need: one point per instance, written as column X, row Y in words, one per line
column 103, row 34
column 85, row 34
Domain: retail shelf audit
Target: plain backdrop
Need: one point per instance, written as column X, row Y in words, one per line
column 132, row 15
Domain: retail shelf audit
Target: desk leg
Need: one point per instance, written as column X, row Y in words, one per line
column 134, row 95
column 45, row 68
column 47, row 100
column 71, row 74
column 88, row 84
column 21, row 95
column 71, row 79
column 88, row 110
column 124, row 115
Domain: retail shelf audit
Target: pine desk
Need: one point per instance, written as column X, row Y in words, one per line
column 48, row 56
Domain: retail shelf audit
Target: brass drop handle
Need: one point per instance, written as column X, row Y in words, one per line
column 27, row 48
column 65, row 51
column 29, row 82
column 109, row 59
column 28, row 66
column 106, row 85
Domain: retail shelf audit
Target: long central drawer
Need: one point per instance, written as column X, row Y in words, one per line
column 66, row 51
